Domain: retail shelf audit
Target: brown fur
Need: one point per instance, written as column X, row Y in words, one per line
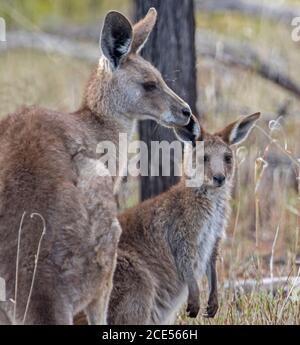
column 48, row 165
column 170, row 241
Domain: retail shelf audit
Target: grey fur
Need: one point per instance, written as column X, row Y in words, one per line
column 169, row 242
column 49, row 165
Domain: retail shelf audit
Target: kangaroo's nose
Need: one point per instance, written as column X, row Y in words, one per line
column 186, row 112
column 219, row 180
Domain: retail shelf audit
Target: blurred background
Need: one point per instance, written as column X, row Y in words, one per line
column 226, row 58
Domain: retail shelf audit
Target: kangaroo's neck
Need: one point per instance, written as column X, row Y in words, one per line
column 105, row 127
column 198, row 205
column 102, row 98
column 99, row 110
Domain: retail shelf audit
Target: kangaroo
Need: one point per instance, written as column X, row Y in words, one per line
column 170, row 241
column 55, row 191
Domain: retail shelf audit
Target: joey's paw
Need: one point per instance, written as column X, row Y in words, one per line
column 211, row 309
column 192, row 310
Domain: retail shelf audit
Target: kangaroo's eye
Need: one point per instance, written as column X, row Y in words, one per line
column 228, row 158
column 206, row 158
column 149, row 86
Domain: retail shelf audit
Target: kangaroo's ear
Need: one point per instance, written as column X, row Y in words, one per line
column 190, row 132
column 238, row 131
column 142, row 30
column 116, row 37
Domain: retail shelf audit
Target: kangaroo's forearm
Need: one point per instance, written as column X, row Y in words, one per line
column 211, row 273
column 193, row 304
column 186, row 267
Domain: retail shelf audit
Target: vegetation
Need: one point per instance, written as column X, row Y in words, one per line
column 37, row 12
column 258, row 308
column 263, row 238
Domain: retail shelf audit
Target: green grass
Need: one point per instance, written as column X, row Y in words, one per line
column 235, row 25
column 37, row 12
column 48, row 80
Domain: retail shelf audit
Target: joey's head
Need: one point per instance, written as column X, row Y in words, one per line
column 216, row 158
column 127, row 85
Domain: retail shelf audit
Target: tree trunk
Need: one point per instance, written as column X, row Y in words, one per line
column 170, row 48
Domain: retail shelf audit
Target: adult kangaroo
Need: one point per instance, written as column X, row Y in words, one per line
column 52, row 182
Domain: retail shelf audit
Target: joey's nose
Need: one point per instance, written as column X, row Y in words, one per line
column 186, row 112
column 219, row 180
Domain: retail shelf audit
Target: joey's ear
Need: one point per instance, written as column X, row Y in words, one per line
column 116, row 37
column 142, row 30
column 238, row 131
column 190, row 132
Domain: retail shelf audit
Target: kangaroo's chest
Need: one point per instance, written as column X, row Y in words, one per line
column 211, row 230
column 95, row 186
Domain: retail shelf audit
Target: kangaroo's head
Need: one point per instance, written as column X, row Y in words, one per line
column 127, row 85
column 218, row 158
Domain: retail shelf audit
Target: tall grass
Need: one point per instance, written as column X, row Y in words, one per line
column 36, row 259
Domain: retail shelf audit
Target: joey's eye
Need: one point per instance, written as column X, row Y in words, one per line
column 149, row 86
column 228, row 158
column 206, row 158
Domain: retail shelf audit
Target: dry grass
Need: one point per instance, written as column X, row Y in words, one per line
column 259, row 308
column 259, row 212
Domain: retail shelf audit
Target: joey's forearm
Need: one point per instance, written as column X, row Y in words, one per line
column 211, row 272
column 193, row 288
column 184, row 255
column 193, row 304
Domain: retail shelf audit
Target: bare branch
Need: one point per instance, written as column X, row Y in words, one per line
column 225, row 51
column 234, row 53
column 50, row 44
column 266, row 284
